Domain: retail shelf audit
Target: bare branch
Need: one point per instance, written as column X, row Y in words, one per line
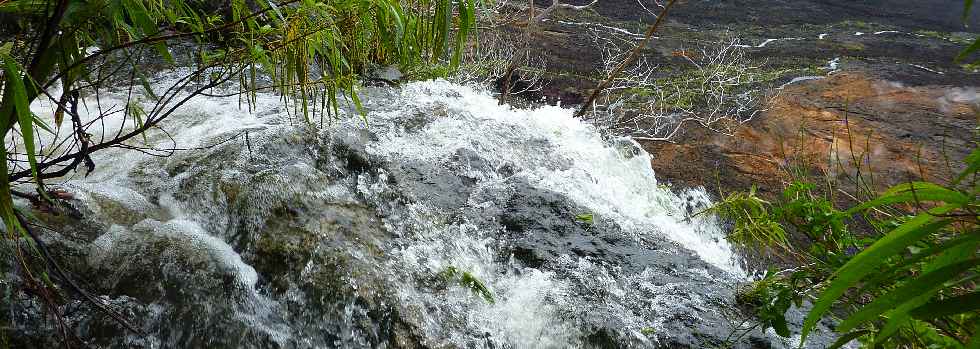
column 719, row 91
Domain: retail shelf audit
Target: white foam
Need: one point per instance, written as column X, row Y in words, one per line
column 582, row 166
column 800, row 79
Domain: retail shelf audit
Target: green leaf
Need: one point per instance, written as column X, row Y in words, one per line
column 164, row 52
column 586, row 218
column 146, row 84
column 22, row 7
column 925, row 285
column 968, row 51
column 966, row 303
column 779, row 325
column 23, row 109
column 970, row 239
column 6, row 199
column 899, row 316
column 470, row 281
column 358, row 105
column 914, row 192
column 868, row 260
column 136, row 110
column 954, row 254
column 847, row 338
column 974, row 342
column 972, row 164
column 967, row 6
column 7, row 210
column 41, row 124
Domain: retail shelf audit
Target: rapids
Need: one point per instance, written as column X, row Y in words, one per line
column 380, row 231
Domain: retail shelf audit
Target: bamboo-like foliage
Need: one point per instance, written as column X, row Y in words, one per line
column 913, row 285
column 934, row 285
column 309, row 51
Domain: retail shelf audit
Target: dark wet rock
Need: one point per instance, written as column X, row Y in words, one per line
column 386, row 75
column 543, row 230
column 306, row 239
column 466, row 159
column 437, row 185
column 351, row 150
column 628, row 147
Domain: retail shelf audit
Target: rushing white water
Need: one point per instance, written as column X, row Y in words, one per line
column 147, row 201
column 598, row 175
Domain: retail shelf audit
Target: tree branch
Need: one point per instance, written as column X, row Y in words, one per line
column 629, row 60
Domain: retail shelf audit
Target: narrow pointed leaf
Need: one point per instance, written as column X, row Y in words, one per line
column 924, row 285
column 967, row 6
column 972, row 161
column 966, row 303
column 847, row 338
column 869, row 259
column 914, row 192
column 968, row 51
column 22, row 107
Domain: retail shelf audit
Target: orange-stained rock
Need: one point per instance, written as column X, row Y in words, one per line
column 897, row 132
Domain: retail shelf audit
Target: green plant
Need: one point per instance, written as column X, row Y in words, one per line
column 910, row 282
column 975, row 46
column 585, row 218
column 770, row 298
column 469, row 281
column 753, row 223
column 815, row 217
column 922, row 272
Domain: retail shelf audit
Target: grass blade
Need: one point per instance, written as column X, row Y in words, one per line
column 23, row 109
column 847, row 338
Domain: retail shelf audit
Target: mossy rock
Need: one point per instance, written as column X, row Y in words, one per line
column 282, row 251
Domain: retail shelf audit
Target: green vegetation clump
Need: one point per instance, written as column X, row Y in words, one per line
column 951, row 37
column 469, row 281
column 585, row 218
column 911, row 281
column 753, row 223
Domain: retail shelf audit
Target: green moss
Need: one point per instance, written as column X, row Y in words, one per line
column 329, row 280
column 282, row 249
column 860, row 25
column 956, row 38
column 972, row 67
column 852, row 46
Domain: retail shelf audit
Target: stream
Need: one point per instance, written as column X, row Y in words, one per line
column 439, row 219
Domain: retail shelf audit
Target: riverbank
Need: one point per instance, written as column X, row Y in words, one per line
column 885, row 65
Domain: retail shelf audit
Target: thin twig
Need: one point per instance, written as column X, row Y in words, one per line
column 72, row 285
column 629, row 60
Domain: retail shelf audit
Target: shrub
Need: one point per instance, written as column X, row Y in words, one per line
column 912, row 285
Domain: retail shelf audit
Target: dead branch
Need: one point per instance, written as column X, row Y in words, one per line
column 626, row 62
column 718, row 90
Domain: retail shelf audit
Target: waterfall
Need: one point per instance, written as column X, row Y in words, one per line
column 364, row 232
